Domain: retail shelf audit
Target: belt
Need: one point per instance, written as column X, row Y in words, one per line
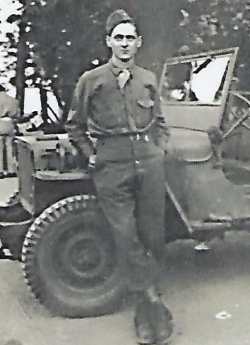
column 139, row 136
column 132, row 136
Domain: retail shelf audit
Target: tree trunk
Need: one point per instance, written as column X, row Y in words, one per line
column 44, row 101
column 20, row 71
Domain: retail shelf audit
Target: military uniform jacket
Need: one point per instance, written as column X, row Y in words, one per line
column 101, row 109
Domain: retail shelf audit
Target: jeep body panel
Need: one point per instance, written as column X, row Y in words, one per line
column 44, row 177
column 204, row 197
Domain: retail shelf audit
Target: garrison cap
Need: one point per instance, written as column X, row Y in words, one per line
column 115, row 18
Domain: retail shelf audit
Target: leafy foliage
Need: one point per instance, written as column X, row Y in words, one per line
column 217, row 24
column 65, row 36
column 8, row 41
column 62, row 37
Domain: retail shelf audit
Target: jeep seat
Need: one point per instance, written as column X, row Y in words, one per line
column 189, row 145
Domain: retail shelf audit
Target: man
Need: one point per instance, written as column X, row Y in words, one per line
column 9, row 112
column 178, row 78
column 9, row 106
column 116, row 122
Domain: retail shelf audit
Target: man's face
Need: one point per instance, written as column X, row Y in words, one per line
column 124, row 42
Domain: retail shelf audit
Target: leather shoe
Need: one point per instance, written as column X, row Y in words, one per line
column 142, row 321
column 162, row 322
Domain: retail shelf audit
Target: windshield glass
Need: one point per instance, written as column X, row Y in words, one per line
column 200, row 80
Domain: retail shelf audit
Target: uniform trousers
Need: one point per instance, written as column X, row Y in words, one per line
column 129, row 180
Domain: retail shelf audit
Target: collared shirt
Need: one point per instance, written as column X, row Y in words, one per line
column 100, row 108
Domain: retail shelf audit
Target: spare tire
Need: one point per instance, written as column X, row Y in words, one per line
column 70, row 259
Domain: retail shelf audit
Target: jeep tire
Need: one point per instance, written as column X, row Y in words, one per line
column 70, row 259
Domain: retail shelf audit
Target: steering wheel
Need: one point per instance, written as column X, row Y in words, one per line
column 240, row 113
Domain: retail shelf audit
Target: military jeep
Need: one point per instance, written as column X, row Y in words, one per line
column 57, row 230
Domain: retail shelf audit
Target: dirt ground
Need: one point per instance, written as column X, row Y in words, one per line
column 208, row 294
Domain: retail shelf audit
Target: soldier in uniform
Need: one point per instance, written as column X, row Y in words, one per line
column 116, row 122
column 9, row 113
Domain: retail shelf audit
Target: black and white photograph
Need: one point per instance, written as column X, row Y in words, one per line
column 124, row 172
